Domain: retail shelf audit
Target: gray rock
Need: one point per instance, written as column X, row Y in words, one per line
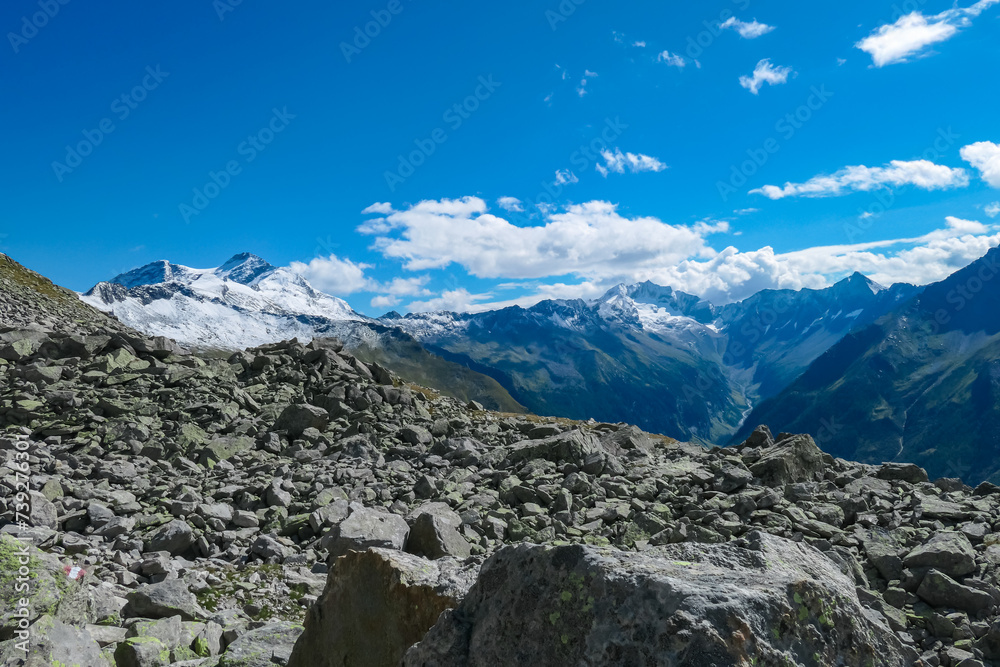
column 949, row 552
column 175, row 537
column 794, row 459
column 394, row 596
column 270, row 549
column 769, row 601
column 153, row 644
column 163, row 600
column 902, row 472
column 364, row 528
column 43, row 512
column 939, row 590
column 989, row 643
column 434, row 533
column 415, row 435
column 263, row 647
column 297, row 418
column 51, row 643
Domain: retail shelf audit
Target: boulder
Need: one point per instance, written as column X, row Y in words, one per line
column 51, row 643
column 949, row 552
column 578, row 447
column 155, row 644
column 297, row 418
column 393, row 596
column 763, row 600
column 939, row 590
column 902, row 472
column 51, row 592
column 175, row 537
column 366, row 527
column 434, row 533
column 265, row 646
column 43, row 512
column 163, row 600
column 794, row 459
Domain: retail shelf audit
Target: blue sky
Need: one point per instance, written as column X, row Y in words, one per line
column 786, row 147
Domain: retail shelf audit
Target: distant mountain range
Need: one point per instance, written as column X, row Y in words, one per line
column 921, row 384
column 645, row 354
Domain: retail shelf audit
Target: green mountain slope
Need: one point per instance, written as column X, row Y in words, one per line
column 920, row 385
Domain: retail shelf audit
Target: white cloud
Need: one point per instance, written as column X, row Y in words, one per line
column 510, row 204
column 382, row 208
column 640, row 44
column 459, row 300
column 993, row 210
column 587, row 75
column 751, row 30
column 384, row 302
column 733, row 275
column 913, row 33
column 599, row 247
column 374, row 226
column 618, row 162
column 765, row 72
column 591, row 240
column 407, row 286
column 564, row 176
column 671, row 59
column 336, row 276
column 920, row 173
column 984, row 156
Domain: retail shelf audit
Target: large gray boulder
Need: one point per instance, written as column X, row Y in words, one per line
column 168, row 598
column 265, row 646
column 762, row 601
column 366, row 527
column 297, row 418
column 51, row 642
column 393, row 596
column 175, row 537
column 792, row 459
column 949, row 552
column 434, row 532
column 578, row 447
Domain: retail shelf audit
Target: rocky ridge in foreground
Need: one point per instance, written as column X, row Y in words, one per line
column 210, row 503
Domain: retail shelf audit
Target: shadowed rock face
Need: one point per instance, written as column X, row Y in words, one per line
column 376, row 605
column 760, row 601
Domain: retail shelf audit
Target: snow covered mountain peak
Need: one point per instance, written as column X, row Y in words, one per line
column 858, row 282
column 244, row 268
column 242, row 303
column 153, row 273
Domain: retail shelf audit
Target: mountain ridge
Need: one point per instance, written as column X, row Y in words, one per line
column 704, row 365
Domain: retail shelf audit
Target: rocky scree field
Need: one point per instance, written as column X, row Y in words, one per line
column 292, row 505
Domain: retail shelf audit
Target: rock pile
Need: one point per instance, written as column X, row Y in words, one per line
column 210, row 502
